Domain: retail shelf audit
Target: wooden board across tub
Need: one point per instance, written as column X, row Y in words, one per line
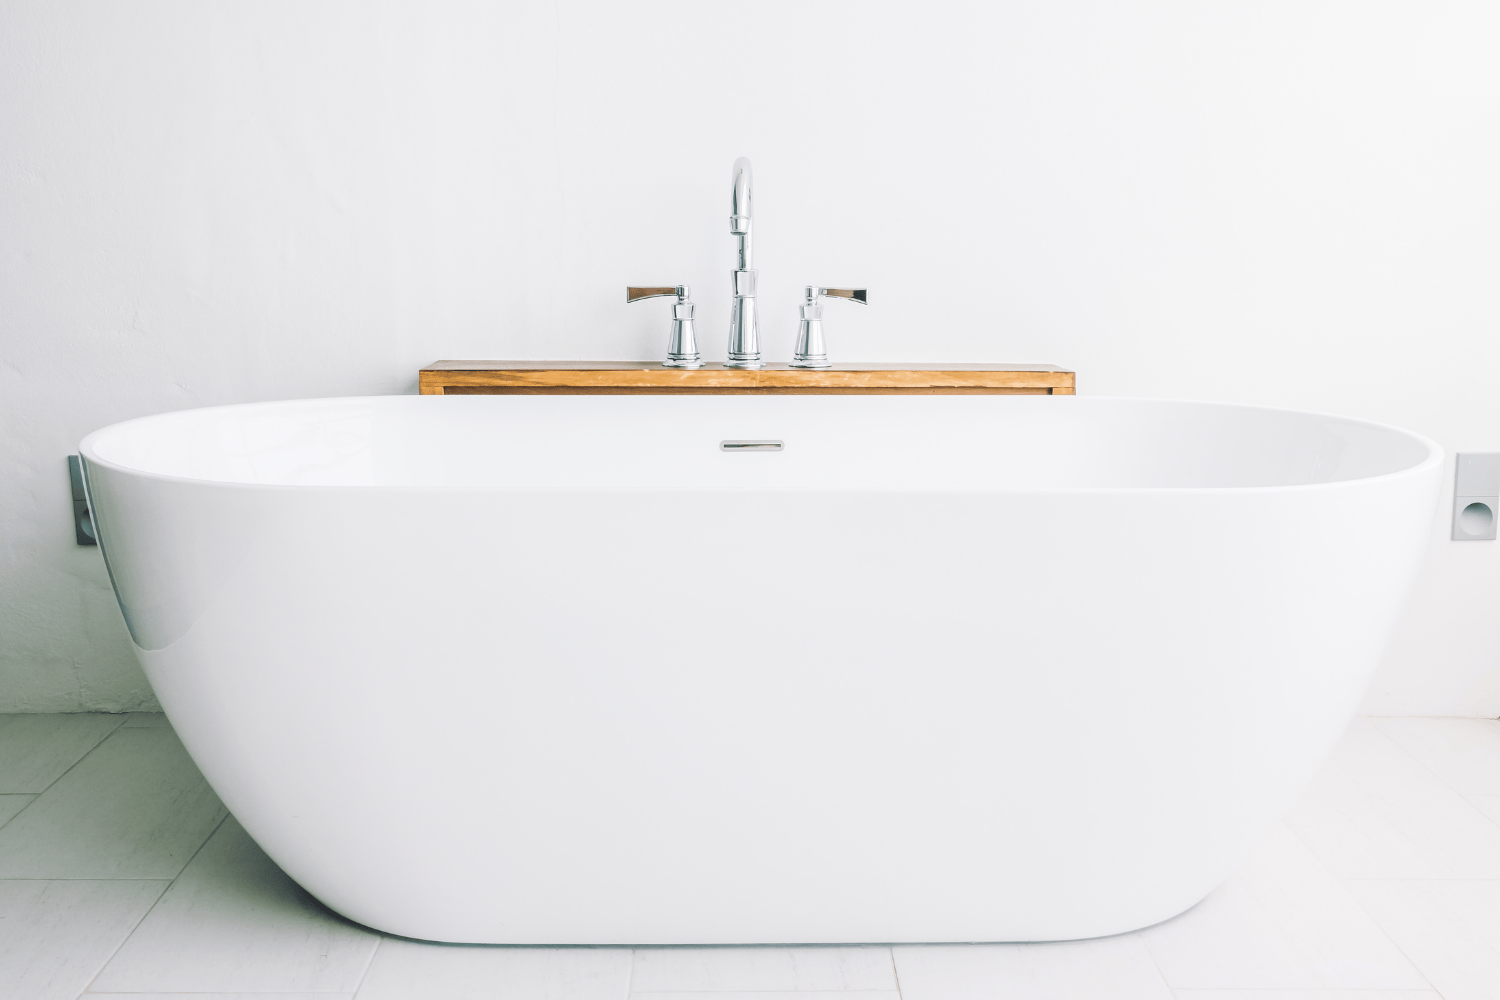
column 466, row 378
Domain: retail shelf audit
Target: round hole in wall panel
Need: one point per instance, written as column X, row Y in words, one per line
column 1477, row 518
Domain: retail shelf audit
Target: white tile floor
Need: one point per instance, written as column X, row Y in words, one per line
column 122, row 876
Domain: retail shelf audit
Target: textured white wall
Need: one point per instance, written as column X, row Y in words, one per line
column 1286, row 203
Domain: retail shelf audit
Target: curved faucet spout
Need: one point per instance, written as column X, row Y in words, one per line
column 739, row 209
column 744, row 340
column 739, row 199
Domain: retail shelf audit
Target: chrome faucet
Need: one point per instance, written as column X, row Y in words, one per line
column 811, row 351
column 682, row 345
column 744, row 337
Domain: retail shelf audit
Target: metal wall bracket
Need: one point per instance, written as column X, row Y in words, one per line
column 83, row 521
column 1476, row 497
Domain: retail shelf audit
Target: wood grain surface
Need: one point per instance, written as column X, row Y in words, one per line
column 465, row 378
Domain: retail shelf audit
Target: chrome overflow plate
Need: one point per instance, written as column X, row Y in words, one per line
column 752, row 445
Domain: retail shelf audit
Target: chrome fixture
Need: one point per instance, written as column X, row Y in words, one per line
column 744, row 337
column 83, row 521
column 811, row 352
column 682, row 344
column 741, row 446
column 1476, row 496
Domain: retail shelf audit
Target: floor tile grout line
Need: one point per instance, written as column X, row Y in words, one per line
column 895, row 971
column 1420, row 763
column 1186, row 992
column 94, row 746
column 379, row 942
column 1476, row 718
column 1175, row 992
column 152, row 908
column 1465, row 797
column 34, row 797
column 126, row 937
column 103, row 878
column 1358, row 903
column 1371, row 719
column 1494, row 821
column 1480, row 811
column 1140, row 935
column 1413, row 878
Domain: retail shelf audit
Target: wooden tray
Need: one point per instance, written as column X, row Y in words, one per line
column 460, row 378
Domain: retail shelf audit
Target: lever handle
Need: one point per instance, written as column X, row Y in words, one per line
column 811, row 351
column 682, row 345
column 635, row 294
column 859, row 295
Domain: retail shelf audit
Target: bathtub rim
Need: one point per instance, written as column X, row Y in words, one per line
column 1436, row 456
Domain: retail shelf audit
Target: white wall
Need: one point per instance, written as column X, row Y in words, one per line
column 1286, row 203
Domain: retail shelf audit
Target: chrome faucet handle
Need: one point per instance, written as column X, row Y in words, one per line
column 811, row 352
column 682, row 344
column 634, row 294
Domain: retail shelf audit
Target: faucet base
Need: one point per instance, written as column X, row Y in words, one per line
column 818, row 362
column 747, row 363
column 682, row 363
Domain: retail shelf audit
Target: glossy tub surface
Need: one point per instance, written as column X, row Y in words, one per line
column 545, row 669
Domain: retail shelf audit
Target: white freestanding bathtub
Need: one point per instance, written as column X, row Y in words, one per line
column 558, row 669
